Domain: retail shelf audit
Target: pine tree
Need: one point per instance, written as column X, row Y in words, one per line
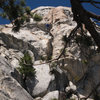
column 26, row 68
column 16, row 11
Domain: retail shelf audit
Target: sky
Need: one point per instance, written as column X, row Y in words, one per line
column 37, row 3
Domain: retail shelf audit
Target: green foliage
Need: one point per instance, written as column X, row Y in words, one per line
column 85, row 40
column 27, row 9
column 14, row 10
column 22, row 2
column 26, row 64
column 49, row 57
column 85, row 61
column 45, row 58
column 37, row 17
column 3, row 15
column 53, row 64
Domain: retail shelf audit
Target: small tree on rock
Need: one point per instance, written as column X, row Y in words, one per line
column 26, row 69
column 16, row 11
column 37, row 17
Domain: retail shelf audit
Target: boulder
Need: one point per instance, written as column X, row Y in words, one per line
column 46, row 81
column 10, row 89
column 30, row 37
column 13, row 90
column 54, row 95
column 16, row 44
column 60, row 81
column 39, row 86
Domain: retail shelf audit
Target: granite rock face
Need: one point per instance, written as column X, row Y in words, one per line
column 10, row 89
column 39, row 85
column 45, row 82
column 51, row 95
column 44, row 41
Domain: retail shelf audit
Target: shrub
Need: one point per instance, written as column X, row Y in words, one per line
column 43, row 58
column 46, row 58
column 26, row 64
column 37, row 17
column 26, row 68
column 53, row 64
column 84, row 61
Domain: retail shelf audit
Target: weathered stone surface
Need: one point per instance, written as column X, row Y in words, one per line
column 59, row 17
column 13, row 89
column 39, row 85
column 5, row 67
column 44, row 81
column 60, row 81
column 51, row 95
column 43, row 41
column 29, row 37
column 76, row 68
column 38, row 98
column 43, row 10
column 71, row 86
column 95, row 59
column 4, row 96
column 91, row 78
column 16, row 44
column 10, row 89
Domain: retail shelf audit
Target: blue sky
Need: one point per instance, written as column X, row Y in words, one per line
column 36, row 3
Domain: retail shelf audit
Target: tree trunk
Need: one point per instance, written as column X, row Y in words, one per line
column 24, row 83
column 80, row 16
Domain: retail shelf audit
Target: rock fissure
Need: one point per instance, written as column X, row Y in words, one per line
column 76, row 71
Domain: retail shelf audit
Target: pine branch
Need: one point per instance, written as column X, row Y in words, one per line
column 89, row 1
column 92, row 15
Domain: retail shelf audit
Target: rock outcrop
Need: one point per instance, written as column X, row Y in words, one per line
column 10, row 89
column 44, row 41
